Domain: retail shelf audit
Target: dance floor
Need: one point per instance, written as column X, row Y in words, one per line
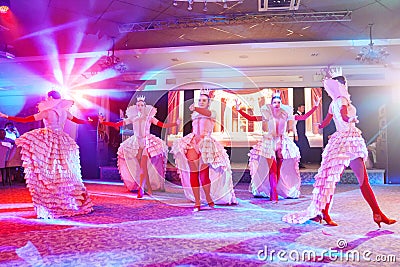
column 163, row 231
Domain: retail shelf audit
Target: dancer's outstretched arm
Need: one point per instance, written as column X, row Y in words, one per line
column 165, row 125
column 308, row 114
column 116, row 125
column 78, row 121
column 326, row 121
column 18, row 119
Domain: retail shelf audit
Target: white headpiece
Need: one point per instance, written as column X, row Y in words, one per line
column 205, row 91
column 333, row 87
column 276, row 94
column 332, row 72
column 140, row 98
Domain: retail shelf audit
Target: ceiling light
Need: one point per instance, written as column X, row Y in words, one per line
column 191, row 3
column 371, row 54
column 4, row 6
column 111, row 61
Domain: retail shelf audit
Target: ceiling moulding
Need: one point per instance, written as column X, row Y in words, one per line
column 255, row 79
column 366, row 77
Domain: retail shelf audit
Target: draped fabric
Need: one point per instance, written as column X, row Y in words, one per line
column 173, row 109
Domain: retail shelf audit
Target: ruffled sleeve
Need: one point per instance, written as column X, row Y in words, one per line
column 131, row 112
column 288, row 110
column 150, row 111
column 40, row 116
column 266, row 112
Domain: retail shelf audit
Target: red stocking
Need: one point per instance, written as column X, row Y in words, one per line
column 369, row 195
column 273, row 180
column 206, row 183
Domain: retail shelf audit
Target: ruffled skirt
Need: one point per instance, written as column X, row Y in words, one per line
column 129, row 166
column 260, row 158
column 214, row 155
column 342, row 148
column 53, row 175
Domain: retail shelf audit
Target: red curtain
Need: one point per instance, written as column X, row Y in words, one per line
column 173, row 109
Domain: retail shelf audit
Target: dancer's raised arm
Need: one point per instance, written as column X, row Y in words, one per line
column 308, row 114
column 245, row 115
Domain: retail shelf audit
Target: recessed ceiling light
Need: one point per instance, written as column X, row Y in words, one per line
column 175, row 59
column 243, row 56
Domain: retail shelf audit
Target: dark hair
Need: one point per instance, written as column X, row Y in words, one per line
column 340, row 79
column 206, row 95
column 8, row 123
column 299, row 105
column 272, row 99
column 54, row 94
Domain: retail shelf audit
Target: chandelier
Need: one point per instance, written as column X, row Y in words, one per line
column 112, row 61
column 191, row 3
column 371, row 54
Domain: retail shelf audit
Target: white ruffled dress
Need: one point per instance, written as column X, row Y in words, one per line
column 345, row 145
column 153, row 147
column 212, row 153
column 289, row 181
column 51, row 165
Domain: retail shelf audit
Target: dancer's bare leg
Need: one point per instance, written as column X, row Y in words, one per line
column 193, row 161
column 141, row 174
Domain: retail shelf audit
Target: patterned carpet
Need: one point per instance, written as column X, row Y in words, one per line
column 163, row 231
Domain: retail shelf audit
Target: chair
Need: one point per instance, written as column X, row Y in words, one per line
column 14, row 161
column 4, row 153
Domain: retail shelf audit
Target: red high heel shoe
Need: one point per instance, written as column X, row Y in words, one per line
column 330, row 222
column 196, row 208
column 380, row 218
column 327, row 219
column 211, row 204
column 140, row 193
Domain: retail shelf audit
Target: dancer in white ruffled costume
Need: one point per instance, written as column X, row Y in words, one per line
column 274, row 161
column 346, row 147
column 201, row 159
column 51, row 161
column 142, row 158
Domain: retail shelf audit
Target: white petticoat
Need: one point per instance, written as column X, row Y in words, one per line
column 53, row 175
column 129, row 166
column 289, row 181
column 213, row 154
column 342, row 148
